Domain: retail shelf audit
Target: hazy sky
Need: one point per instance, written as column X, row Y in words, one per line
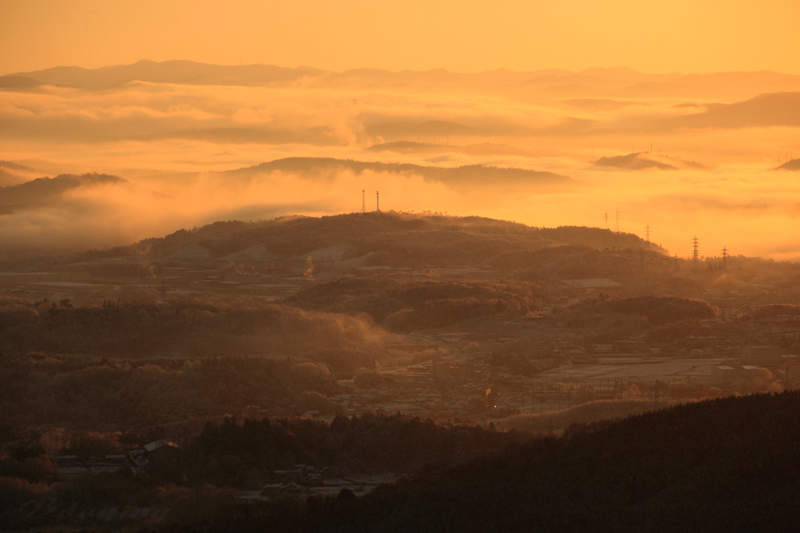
column 468, row 36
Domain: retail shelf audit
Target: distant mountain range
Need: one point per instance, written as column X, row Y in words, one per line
column 46, row 191
column 595, row 82
column 463, row 176
column 180, row 72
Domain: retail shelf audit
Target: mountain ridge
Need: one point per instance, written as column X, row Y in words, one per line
column 589, row 82
column 454, row 176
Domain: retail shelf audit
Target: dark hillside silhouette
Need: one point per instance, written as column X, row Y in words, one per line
column 721, row 465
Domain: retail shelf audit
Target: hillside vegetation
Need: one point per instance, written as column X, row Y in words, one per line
column 692, row 467
column 577, row 261
column 659, row 310
column 184, row 327
column 405, row 305
column 403, row 239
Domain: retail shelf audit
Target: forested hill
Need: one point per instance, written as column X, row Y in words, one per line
column 405, row 238
column 731, row 464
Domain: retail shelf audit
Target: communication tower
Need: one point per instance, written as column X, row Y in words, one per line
column 363, row 201
column 378, row 200
column 724, row 257
column 647, row 236
column 605, row 218
column 695, row 257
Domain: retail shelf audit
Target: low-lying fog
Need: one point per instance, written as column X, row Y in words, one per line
column 171, row 144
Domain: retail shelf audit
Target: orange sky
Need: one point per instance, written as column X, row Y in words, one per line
column 678, row 35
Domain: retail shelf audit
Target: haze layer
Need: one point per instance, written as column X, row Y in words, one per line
column 683, row 154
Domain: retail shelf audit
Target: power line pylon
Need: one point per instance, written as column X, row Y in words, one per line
column 605, row 218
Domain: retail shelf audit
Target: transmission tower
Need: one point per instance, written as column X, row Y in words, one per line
column 605, row 218
column 617, row 217
column 378, row 200
column 363, row 201
column 647, row 236
column 724, row 257
column 695, row 257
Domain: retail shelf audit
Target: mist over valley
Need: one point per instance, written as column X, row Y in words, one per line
column 422, row 267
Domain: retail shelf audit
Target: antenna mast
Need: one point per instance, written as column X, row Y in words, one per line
column 694, row 246
column 363, row 201
column 724, row 257
column 378, row 200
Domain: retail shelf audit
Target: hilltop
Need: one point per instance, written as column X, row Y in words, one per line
column 393, row 238
column 372, row 240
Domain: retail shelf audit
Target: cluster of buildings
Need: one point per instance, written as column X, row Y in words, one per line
column 71, row 466
column 306, row 481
